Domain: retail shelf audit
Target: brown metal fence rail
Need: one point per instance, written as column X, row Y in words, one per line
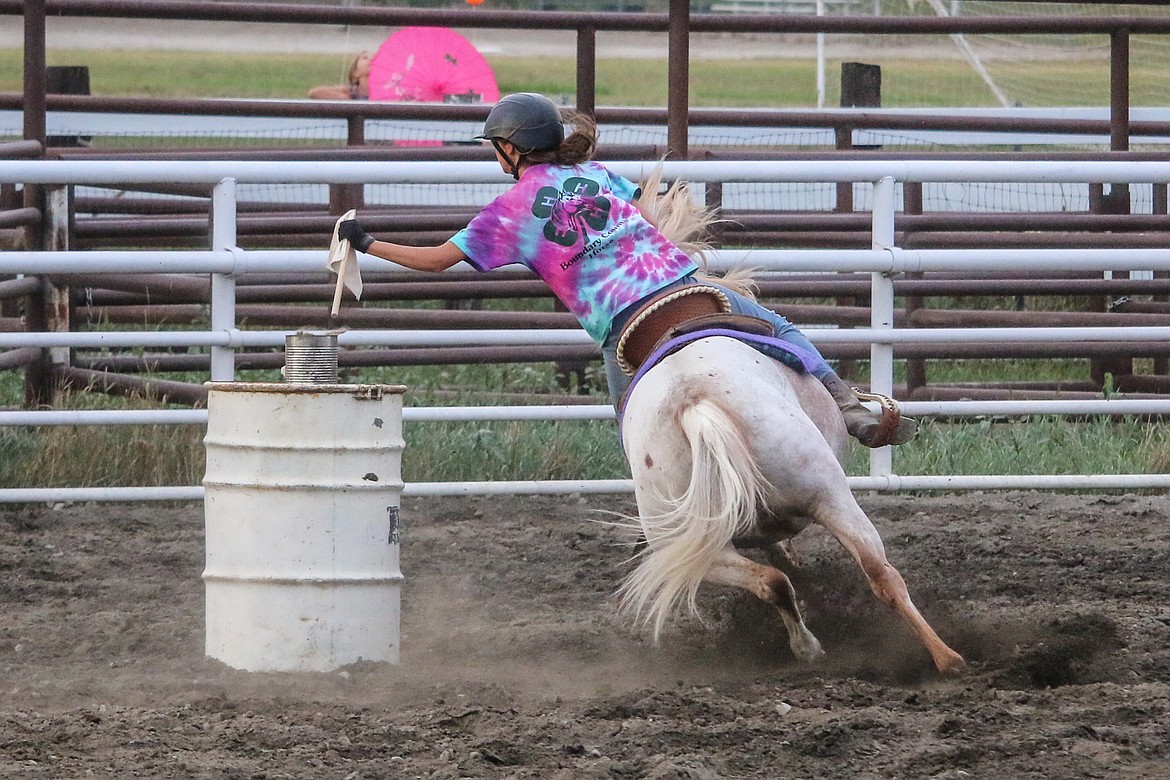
column 29, row 303
column 679, row 23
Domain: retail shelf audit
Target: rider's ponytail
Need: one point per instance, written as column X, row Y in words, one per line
column 577, row 148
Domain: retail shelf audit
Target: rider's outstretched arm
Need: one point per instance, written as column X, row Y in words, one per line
column 419, row 258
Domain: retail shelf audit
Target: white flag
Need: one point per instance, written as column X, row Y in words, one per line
column 343, row 262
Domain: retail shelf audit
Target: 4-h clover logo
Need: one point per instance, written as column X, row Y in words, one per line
column 571, row 211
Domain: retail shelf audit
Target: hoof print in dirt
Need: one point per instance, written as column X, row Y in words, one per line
column 1068, row 651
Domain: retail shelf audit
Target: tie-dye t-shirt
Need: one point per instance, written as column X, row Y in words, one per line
column 575, row 226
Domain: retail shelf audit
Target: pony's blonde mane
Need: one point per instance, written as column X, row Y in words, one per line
column 686, row 225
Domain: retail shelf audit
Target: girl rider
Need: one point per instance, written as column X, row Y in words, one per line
column 579, row 227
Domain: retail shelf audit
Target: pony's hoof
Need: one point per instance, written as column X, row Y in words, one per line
column 951, row 663
column 807, row 649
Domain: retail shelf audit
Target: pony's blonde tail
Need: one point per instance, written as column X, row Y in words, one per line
column 724, row 493
column 688, row 227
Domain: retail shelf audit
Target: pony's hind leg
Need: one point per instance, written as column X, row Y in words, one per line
column 856, row 533
column 773, row 587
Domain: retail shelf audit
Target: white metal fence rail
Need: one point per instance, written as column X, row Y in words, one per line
column 225, row 261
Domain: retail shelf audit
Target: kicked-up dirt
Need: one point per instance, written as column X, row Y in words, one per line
column 515, row 663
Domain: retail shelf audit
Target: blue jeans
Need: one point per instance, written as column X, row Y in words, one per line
column 740, row 304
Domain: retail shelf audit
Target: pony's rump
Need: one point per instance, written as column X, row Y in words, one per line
column 721, row 501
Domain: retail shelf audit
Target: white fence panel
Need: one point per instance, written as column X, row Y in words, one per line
column 225, row 261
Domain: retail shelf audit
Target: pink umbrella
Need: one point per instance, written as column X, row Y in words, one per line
column 431, row 65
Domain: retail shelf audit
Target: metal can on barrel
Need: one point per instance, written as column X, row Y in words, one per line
column 301, row 505
column 310, row 358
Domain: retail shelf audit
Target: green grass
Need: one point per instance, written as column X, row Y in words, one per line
column 150, row 455
column 1037, row 445
column 173, row 455
column 634, row 83
column 989, row 371
column 96, row 455
column 769, row 83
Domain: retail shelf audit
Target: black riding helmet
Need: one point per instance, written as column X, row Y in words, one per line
column 530, row 122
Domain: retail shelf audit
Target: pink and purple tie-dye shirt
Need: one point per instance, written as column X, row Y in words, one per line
column 575, row 226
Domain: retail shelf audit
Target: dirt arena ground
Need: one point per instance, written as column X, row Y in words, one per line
column 514, row 664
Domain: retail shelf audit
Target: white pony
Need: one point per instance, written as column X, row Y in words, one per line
column 725, row 444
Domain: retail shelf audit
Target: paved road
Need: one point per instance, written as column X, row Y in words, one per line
column 138, row 34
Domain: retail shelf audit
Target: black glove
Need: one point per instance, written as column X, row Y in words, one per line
column 352, row 232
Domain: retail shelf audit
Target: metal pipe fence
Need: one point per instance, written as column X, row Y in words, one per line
column 225, row 263
column 679, row 25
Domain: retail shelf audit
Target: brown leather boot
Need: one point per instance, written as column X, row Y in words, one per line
column 864, row 425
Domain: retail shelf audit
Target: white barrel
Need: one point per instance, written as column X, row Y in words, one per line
column 301, row 499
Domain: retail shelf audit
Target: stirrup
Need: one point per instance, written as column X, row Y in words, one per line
column 891, row 417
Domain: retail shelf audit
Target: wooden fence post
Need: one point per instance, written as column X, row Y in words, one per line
column 861, row 86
